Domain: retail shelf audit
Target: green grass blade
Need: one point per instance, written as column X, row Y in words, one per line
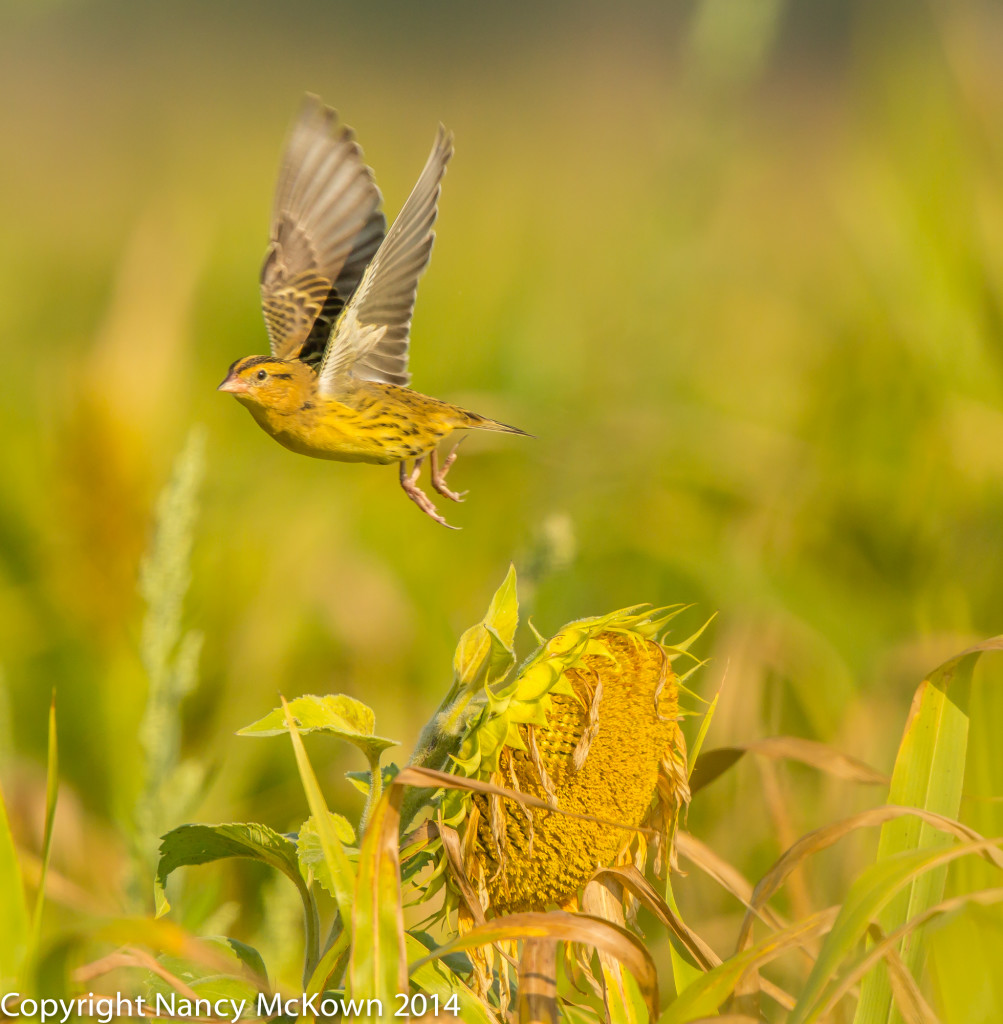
column 684, row 973
column 698, row 743
column 329, row 963
column 710, row 990
column 872, row 892
column 929, row 773
column 14, row 930
column 378, row 964
column 51, row 796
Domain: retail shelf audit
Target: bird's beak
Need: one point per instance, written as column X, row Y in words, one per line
column 233, row 384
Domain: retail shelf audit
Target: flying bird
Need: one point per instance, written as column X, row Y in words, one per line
column 338, row 292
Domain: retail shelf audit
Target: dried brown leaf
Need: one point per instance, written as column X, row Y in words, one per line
column 426, row 778
column 701, row 954
column 713, row 763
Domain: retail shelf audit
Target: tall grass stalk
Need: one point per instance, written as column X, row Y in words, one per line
column 170, row 656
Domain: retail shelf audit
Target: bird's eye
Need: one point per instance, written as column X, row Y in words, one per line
column 261, row 375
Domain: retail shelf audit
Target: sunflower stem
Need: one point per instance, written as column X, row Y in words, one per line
column 375, row 791
column 438, row 741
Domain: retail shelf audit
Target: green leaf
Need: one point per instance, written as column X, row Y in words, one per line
column 704, row 996
column 484, row 653
column 246, row 954
column 311, row 853
column 437, row 978
column 189, row 845
column 335, row 857
column 331, row 963
column 929, row 773
column 334, row 713
column 873, row 890
column 227, row 977
column 377, row 967
column 13, row 909
column 363, row 780
column 683, row 972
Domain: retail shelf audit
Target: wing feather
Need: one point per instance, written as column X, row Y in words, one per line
column 370, row 341
column 326, row 226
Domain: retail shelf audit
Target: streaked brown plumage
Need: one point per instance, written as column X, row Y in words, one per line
column 338, row 293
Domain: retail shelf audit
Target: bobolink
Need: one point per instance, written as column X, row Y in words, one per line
column 338, row 292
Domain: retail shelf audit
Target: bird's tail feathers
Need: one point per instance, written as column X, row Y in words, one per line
column 478, row 422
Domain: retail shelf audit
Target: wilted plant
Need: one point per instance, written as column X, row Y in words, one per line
column 589, row 729
column 585, row 736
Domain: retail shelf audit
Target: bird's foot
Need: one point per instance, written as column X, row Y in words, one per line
column 409, row 481
column 439, row 474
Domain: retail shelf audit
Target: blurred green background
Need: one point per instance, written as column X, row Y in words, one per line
column 738, row 264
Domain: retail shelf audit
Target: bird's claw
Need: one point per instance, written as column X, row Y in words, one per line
column 439, row 474
column 409, row 481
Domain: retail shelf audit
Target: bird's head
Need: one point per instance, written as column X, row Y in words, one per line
column 278, row 384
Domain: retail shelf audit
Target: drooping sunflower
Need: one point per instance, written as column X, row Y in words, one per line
column 589, row 727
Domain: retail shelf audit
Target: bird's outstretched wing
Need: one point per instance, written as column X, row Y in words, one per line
column 370, row 341
column 326, row 226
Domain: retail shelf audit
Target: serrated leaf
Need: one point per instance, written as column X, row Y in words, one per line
column 311, row 852
column 485, row 648
column 189, row 845
column 335, row 713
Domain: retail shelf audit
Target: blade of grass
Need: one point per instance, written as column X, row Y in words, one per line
column 987, row 897
column 51, row 796
column 929, row 773
column 710, row 990
column 14, row 932
column 693, row 948
column 822, row 838
column 873, row 890
column 377, row 967
column 714, row 763
column 698, row 743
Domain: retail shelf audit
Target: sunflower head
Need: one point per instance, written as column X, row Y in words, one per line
column 589, row 727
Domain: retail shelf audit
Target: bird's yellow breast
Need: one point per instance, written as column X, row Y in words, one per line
column 376, row 423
